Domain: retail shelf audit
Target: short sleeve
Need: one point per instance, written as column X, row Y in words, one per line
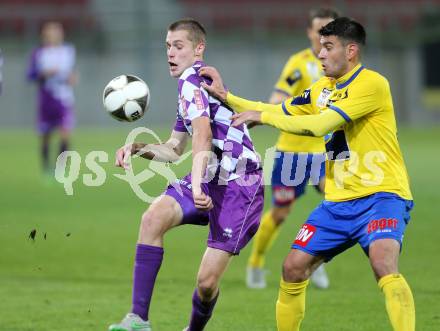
column 299, row 105
column 195, row 97
column 179, row 126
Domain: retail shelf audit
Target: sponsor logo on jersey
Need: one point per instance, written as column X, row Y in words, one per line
column 382, row 225
column 304, row 235
column 338, row 96
column 183, row 106
column 198, row 99
column 323, row 97
column 293, row 78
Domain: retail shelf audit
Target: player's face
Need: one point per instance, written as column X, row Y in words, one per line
column 52, row 34
column 180, row 51
column 313, row 32
column 333, row 56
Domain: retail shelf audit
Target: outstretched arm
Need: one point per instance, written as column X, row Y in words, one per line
column 170, row 151
column 239, row 105
column 305, row 125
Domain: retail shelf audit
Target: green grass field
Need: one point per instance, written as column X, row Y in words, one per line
column 79, row 276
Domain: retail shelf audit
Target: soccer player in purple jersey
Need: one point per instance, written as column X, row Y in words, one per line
column 52, row 67
column 224, row 187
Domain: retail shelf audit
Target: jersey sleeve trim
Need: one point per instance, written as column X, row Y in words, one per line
column 285, row 109
column 340, row 112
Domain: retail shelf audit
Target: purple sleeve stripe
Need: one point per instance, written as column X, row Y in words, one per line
column 179, row 128
column 340, row 112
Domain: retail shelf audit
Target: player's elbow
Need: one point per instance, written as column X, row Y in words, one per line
column 178, row 151
column 321, row 132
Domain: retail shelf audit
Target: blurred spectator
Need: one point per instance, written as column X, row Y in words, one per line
column 52, row 67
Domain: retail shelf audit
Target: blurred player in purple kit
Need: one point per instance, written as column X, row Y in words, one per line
column 224, row 188
column 52, row 67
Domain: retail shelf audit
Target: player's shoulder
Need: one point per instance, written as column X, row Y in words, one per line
column 299, row 57
column 188, row 73
column 69, row 46
column 374, row 76
column 371, row 80
column 191, row 74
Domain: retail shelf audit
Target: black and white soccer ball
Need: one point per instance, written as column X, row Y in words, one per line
column 126, row 98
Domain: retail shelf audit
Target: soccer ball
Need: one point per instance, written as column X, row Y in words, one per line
column 126, row 98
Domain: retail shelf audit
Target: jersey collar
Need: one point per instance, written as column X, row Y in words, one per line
column 198, row 63
column 343, row 81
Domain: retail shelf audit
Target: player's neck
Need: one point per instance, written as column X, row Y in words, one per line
column 350, row 67
column 348, row 73
column 198, row 59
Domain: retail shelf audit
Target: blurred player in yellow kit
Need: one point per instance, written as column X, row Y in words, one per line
column 298, row 159
column 367, row 195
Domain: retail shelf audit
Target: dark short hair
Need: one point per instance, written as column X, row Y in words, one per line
column 322, row 13
column 196, row 31
column 346, row 29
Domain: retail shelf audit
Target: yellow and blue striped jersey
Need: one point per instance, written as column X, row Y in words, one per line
column 299, row 73
column 363, row 156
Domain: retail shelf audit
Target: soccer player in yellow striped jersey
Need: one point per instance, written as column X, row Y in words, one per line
column 298, row 159
column 367, row 195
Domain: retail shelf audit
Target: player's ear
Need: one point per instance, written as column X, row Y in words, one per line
column 200, row 48
column 310, row 33
column 352, row 51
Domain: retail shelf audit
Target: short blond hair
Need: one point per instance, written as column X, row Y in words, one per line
column 196, row 31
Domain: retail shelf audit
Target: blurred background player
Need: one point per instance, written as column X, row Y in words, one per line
column 298, row 158
column 52, row 67
column 231, row 198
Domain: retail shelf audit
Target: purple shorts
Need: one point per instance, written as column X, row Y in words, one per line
column 236, row 214
column 53, row 114
column 63, row 120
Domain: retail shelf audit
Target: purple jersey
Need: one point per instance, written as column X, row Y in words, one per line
column 55, row 92
column 232, row 146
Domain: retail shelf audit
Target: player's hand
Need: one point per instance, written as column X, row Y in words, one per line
column 246, row 117
column 123, row 154
column 216, row 89
column 72, row 79
column 202, row 201
column 49, row 73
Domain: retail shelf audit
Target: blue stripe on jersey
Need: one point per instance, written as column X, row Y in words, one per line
column 340, row 112
column 303, row 99
column 285, row 109
column 339, row 86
